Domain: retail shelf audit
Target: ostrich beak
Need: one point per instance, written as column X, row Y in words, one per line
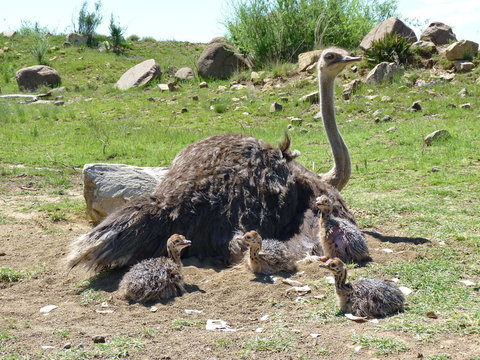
column 186, row 243
column 349, row 59
column 323, row 260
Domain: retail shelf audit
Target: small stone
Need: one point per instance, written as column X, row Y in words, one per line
column 451, row 106
column 435, row 136
column 98, row 339
column 276, row 107
column 431, row 314
column 284, row 99
column 466, row 106
column 303, row 131
column 221, row 88
column 163, row 87
column 67, row 346
column 416, row 106
column 392, row 129
column 435, row 169
column 203, row 85
column 386, row 98
column 195, row 98
column 312, row 98
column 183, row 110
column 463, row 92
column 464, row 66
column 59, row 103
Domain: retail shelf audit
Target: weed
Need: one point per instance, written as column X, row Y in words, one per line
column 39, row 49
column 391, row 48
column 10, row 275
column 63, row 333
column 89, row 296
column 180, row 324
column 281, row 339
column 382, row 346
column 439, row 357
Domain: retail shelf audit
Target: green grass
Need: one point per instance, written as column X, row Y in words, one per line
column 9, row 275
column 280, row 339
column 381, row 345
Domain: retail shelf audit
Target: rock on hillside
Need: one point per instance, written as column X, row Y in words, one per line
column 438, row 33
column 220, row 60
column 30, row 78
column 139, row 75
column 392, row 25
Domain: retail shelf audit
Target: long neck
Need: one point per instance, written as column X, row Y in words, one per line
column 341, row 281
column 254, row 249
column 174, row 254
column 339, row 175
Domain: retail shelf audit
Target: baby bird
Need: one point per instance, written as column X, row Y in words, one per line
column 338, row 237
column 156, row 278
column 267, row 256
column 369, row 298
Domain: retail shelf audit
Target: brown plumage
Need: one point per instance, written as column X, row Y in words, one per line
column 223, row 185
column 337, row 237
column 370, row 298
column 157, row 278
column 267, row 256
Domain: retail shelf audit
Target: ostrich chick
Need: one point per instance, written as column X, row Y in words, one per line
column 370, row 298
column 267, row 256
column 156, row 278
column 337, row 236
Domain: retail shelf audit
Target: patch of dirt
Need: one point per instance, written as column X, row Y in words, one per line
column 29, row 241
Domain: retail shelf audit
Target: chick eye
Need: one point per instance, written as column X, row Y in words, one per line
column 329, row 56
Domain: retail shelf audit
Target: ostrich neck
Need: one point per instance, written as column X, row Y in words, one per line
column 341, row 282
column 174, row 254
column 254, row 250
column 339, row 175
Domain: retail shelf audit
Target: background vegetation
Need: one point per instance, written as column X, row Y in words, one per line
column 279, row 30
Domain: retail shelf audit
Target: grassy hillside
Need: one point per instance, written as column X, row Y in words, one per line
column 401, row 190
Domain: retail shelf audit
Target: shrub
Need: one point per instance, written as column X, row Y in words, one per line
column 116, row 36
column 278, row 30
column 392, row 48
column 133, row 38
column 88, row 22
column 39, row 49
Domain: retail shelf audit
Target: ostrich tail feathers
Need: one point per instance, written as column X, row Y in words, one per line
column 123, row 238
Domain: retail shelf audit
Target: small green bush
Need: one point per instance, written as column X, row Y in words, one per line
column 392, row 48
column 116, row 36
column 39, row 49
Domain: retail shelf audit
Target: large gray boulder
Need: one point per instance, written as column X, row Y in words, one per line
column 438, row 33
column 462, row 50
column 138, row 75
column 76, row 39
column 392, row 25
column 382, row 72
column 107, row 187
column 220, row 60
column 30, row 78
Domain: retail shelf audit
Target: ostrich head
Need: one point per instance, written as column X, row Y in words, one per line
column 251, row 238
column 324, row 204
column 333, row 61
column 334, row 265
column 177, row 243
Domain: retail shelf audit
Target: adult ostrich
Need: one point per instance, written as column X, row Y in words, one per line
column 224, row 185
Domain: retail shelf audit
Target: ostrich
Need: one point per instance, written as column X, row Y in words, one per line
column 339, row 238
column 156, row 278
column 267, row 256
column 370, row 298
column 224, row 185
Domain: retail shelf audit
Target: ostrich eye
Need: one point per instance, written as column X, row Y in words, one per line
column 329, row 56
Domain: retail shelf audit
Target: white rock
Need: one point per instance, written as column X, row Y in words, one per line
column 405, row 290
column 48, row 308
column 217, row 324
column 467, row 282
column 191, row 311
column 330, row 279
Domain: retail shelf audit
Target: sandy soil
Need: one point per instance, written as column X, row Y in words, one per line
column 30, row 240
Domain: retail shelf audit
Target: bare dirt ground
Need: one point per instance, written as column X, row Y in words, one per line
column 31, row 240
